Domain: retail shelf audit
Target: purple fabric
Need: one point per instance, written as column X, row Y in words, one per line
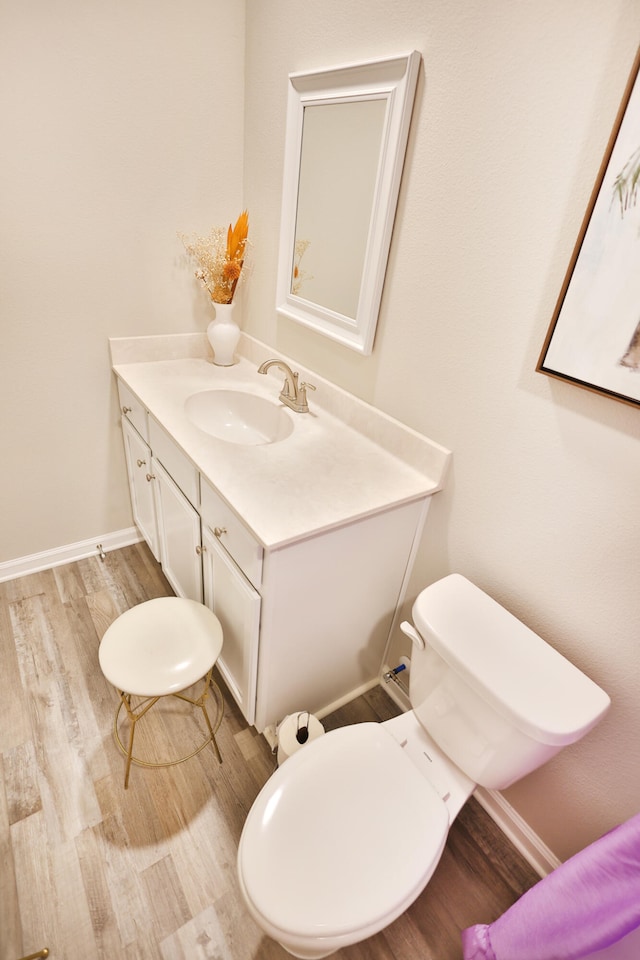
column 588, row 903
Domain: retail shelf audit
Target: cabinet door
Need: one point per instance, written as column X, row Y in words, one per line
column 179, row 533
column 138, row 457
column 237, row 605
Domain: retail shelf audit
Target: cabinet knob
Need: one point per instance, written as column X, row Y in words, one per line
column 218, row 531
column 126, row 410
column 150, row 477
column 200, row 550
column 141, row 463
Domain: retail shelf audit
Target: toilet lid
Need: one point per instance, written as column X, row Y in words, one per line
column 345, row 833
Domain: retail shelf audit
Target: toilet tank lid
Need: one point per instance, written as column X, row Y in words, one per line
column 511, row 667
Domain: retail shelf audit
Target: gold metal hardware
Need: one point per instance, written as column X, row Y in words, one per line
column 200, row 550
column 218, row 531
column 150, row 477
column 126, row 410
column 37, row 956
column 141, row 463
column 137, row 712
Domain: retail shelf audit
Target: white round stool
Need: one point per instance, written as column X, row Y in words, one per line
column 158, row 649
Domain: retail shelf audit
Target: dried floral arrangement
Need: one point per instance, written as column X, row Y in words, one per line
column 220, row 257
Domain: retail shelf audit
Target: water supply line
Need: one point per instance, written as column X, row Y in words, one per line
column 392, row 675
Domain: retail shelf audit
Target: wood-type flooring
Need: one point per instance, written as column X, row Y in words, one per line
column 93, row 871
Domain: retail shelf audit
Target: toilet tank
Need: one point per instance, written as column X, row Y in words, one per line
column 496, row 697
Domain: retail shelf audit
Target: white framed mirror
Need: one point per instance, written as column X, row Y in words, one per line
column 347, row 131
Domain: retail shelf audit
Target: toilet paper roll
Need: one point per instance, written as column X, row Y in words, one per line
column 288, row 742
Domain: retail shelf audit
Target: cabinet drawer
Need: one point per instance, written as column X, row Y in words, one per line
column 174, row 461
column 239, row 543
column 132, row 409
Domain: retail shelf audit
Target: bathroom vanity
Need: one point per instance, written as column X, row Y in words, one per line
column 302, row 545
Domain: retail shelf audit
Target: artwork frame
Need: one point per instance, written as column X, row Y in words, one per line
column 593, row 340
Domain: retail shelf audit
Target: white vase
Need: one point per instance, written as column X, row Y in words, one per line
column 223, row 334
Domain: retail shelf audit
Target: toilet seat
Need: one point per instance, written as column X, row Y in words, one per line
column 342, row 838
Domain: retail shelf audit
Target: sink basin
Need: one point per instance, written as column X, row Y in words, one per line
column 238, row 417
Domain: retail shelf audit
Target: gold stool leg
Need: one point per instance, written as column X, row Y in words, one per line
column 36, row 956
column 132, row 731
column 200, row 702
column 125, row 700
column 135, row 714
column 213, row 736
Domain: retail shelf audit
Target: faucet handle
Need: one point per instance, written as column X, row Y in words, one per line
column 303, row 406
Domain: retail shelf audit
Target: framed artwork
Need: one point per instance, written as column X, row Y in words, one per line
column 594, row 337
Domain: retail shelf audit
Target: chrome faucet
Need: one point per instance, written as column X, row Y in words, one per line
column 293, row 394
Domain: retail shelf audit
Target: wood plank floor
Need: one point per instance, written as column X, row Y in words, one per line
column 92, row 871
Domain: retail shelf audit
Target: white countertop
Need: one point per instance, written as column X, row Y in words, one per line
column 326, row 473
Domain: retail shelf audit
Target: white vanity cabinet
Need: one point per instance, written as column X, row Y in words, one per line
column 328, row 604
column 307, row 623
column 306, row 571
column 304, row 624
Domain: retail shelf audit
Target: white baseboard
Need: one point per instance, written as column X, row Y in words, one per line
column 524, row 839
column 23, row 566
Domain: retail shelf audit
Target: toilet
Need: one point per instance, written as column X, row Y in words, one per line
column 347, row 833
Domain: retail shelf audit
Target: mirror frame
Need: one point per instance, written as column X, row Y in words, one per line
column 393, row 79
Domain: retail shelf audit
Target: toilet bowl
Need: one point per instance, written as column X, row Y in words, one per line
column 347, row 833
column 375, row 841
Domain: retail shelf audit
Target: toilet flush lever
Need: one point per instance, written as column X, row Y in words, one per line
column 408, row 629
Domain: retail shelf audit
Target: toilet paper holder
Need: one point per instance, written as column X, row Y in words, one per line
column 295, row 731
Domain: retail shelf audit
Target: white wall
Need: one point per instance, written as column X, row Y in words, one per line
column 514, row 109
column 121, row 124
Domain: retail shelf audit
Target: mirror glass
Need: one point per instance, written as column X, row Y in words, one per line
column 347, row 131
column 338, row 170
